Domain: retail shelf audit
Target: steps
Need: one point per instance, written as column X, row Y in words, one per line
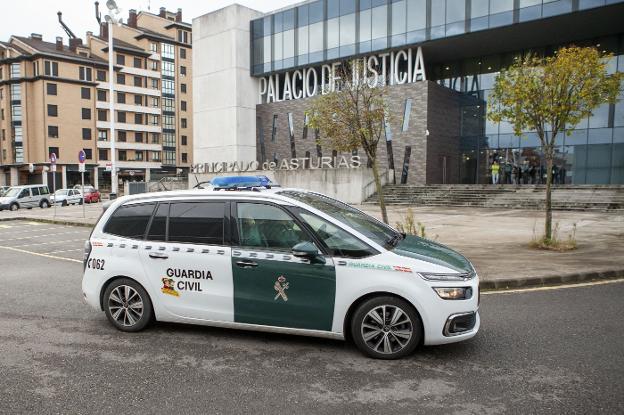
column 568, row 197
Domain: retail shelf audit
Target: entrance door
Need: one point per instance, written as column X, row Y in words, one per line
column 271, row 286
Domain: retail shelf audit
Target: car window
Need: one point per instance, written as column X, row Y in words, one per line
column 339, row 242
column 158, row 228
column 44, row 190
column 24, row 193
column 130, row 221
column 35, row 191
column 266, row 226
column 196, row 222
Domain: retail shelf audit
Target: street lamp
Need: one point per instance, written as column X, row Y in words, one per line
column 112, row 18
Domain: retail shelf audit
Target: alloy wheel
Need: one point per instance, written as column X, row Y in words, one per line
column 125, row 305
column 387, row 329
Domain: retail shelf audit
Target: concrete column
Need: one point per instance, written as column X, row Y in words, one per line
column 14, row 176
column 224, row 95
column 64, row 176
column 147, row 175
column 44, row 177
column 95, row 179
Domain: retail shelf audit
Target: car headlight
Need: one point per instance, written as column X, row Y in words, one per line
column 431, row 276
column 454, row 293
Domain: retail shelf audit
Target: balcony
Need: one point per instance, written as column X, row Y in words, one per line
column 103, row 105
column 140, row 72
column 105, row 125
column 129, row 145
column 131, row 89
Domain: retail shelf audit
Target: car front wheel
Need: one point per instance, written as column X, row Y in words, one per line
column 127, row 305
column 14, row 207
column 386, row 328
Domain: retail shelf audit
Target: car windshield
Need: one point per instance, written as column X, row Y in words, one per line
column 61, row 192
column 13, row 192
column 361, row 222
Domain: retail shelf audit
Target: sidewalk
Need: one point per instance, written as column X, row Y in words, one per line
column 495, row 240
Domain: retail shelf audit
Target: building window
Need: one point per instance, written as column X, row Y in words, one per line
column 52, row 110
column 102, row 154
column 50, row 68
column 155, row 155
column 53, row 131
column 138, row 100
column 153, row 119
column 168, row 68
column 138, row 119
column 88, row 153
column 154, row 83
column 101, row 95
column 184, row 158
column 155, row 138
column 183, row 105
column 182, row 53
column 168, row 122
column 54, row 150
column 183, row 88
column 86, row 113
column 406, row 114
column 168, row 140
column 183, row 123
column 274, row 129
column 168, row 87
column 168, row 51
column 168, row 104
column 85, row 93
column 86, row 134
column 121, row 79
column 184, row 140
column 121, row 136
column 35, row 68
column 138, row 156
column 183, row 36
column 102, row 135
column 122, row 155
column 155, row 102
column 102, row 115
column 183, row 70
column 101, row 76
column 153, row 65
column 169, row 157
column 121, row 116
column 138, row 137
column 138, row 81
column 121, row 59
column 121, row 98
column 85, row 74
column 138, row 63
column 51, row 89
column 153, row 46
column 15, row 70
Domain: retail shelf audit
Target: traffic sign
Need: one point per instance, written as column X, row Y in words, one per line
column 82, row 156
column 81, row 168
column 53, row 158
column 53, row 168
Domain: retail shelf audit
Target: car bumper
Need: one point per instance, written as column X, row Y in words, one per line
column 3, row 207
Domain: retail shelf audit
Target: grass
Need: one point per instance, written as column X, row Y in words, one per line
column 555, row 243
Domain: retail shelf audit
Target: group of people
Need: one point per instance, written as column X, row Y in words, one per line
column 524, row 173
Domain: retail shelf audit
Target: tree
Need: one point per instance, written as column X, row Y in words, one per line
column 551, row 95
column 350, row 116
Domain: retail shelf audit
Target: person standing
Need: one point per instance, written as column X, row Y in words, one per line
column 495, row 170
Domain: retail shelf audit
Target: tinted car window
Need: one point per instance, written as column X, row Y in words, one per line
column 44, row 190
column 196, row 222
column 265, row 226
column 24, row 193
column 35, row 191
column 158, row 228
column 130, row 221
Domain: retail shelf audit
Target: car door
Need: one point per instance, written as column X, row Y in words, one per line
column 271, row 286
column 187, row 259
column 24, row 198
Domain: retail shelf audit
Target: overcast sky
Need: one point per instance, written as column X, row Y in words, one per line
column 23, row 17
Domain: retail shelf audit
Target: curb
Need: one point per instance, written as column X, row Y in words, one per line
column 50, row 221
column 550, row 280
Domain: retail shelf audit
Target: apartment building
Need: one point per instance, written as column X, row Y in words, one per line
column 152, row 103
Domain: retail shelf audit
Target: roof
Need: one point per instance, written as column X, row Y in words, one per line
column 48, row 48
column 119, row 44
column 182, row 25
column 151, row 33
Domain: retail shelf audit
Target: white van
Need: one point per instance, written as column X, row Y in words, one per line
column 283, row 260
column 28, row 196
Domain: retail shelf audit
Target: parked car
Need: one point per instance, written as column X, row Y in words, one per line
column 65, row 197
column 4, row 189
column 28, row 196
column 91, row 195
column 283, row 260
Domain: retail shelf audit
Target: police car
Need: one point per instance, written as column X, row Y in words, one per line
column 279, row 260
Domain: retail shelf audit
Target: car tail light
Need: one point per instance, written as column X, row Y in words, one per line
column 87, row 252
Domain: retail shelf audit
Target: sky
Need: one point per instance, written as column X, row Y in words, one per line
column 23, row 17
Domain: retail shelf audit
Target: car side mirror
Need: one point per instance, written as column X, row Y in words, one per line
column 307, row 250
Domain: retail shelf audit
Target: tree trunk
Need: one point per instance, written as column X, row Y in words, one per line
column 548, row 205
column 379, row 189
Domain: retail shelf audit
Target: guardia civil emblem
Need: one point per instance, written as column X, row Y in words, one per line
column 281, row 285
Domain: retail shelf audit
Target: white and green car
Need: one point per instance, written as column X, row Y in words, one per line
column 280, row 260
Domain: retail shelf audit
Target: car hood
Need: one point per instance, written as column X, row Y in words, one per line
column 432, row 252
column 4, row 200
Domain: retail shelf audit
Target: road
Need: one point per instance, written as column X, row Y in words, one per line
column 551, row 351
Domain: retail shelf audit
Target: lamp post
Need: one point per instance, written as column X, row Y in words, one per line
column 112, row 18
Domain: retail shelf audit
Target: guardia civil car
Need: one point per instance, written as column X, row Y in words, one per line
column 282, row 260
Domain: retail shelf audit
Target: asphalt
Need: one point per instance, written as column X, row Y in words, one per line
column 544, row 351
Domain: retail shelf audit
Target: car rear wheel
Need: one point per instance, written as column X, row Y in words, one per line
column 386, row 328
column 44, row 204
column 127, row 305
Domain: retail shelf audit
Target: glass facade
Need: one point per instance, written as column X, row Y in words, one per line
column 593, row 153
column 333, row 29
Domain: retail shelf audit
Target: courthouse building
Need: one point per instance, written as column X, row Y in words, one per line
column 255, row 75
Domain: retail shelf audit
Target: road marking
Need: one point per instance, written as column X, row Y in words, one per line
column 63, row 251
column 42, row 236
column 41, row 255
column 50, row 242
column 554, row 287
column 4, row 226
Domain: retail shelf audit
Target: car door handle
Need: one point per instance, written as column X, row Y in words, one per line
column 246, row 264
column 158, row 255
